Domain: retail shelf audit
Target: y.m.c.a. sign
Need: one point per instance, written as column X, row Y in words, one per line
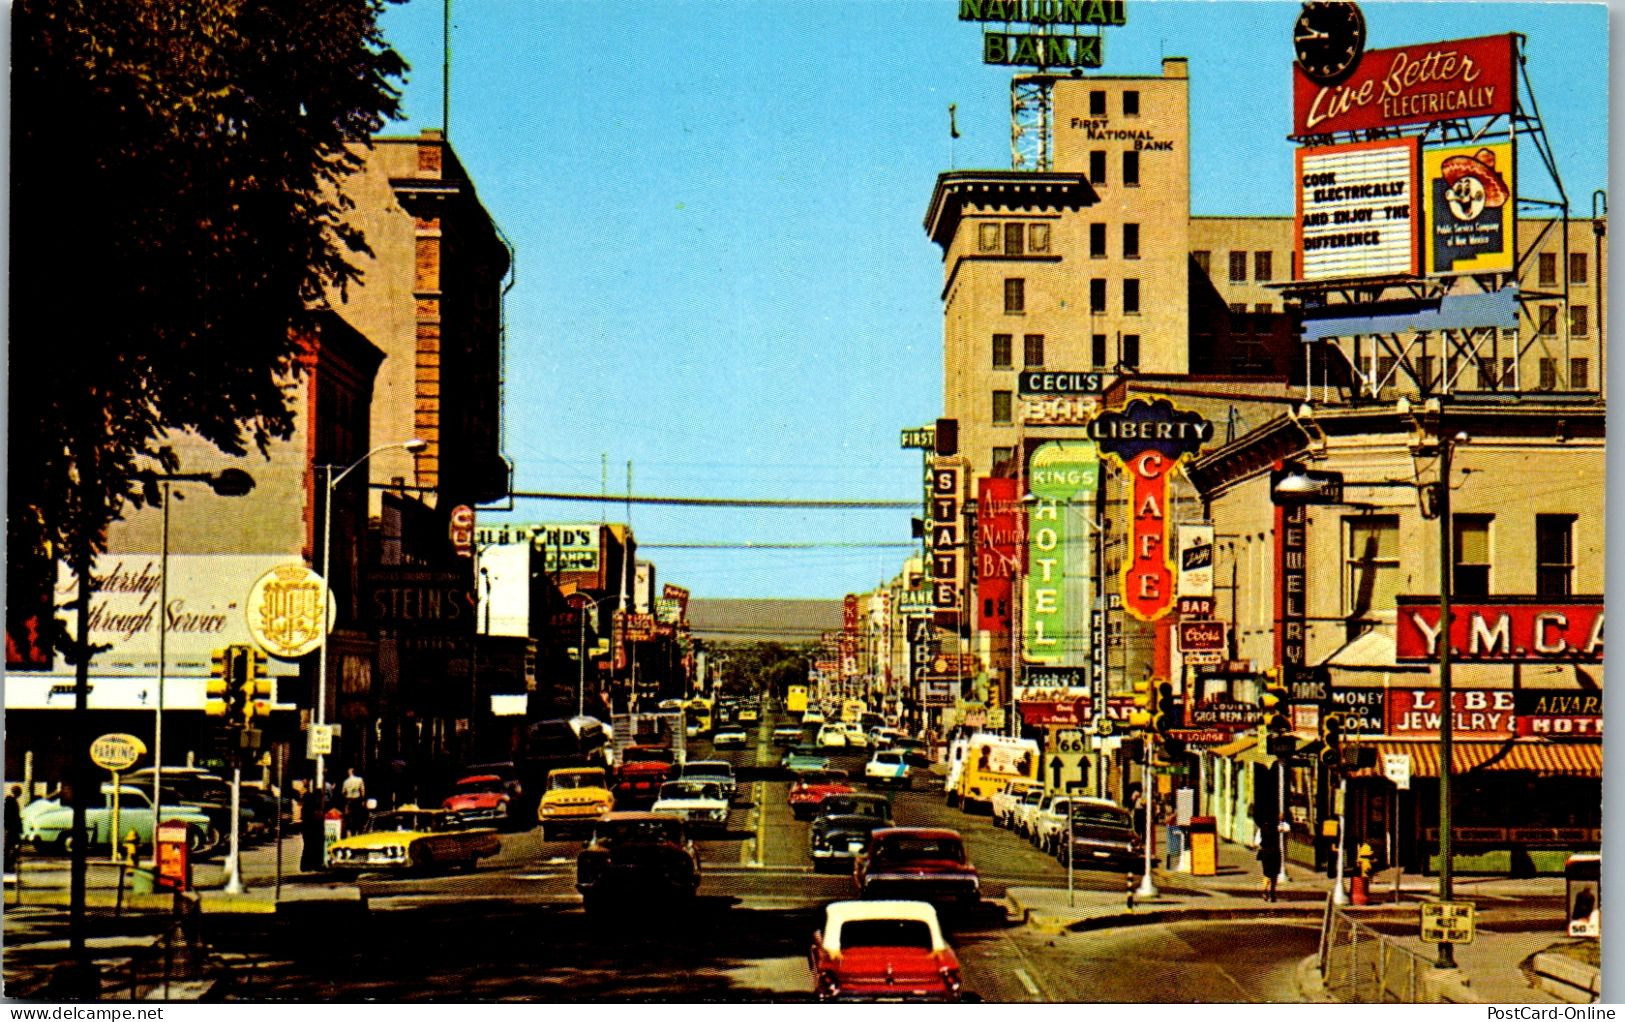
column 1505, row 629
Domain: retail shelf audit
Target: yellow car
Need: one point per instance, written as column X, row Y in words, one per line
column 574, row 799
column 413, row 839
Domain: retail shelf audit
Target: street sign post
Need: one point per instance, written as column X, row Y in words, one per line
column 1448, row 922
column 1396, row 766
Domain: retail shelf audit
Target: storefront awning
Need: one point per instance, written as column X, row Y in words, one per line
column 1544, row 759
column 1371, row 651
column 1238, row 746
column 1262, row 757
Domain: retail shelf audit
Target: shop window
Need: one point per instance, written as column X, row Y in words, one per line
column 1097, row 351
column 1238, row 267
column 1471, row 554
column 1001, row 407
column 1131, row 102
column 1131, row 297
column 1015, row 294
column 1131, row 241
column 1131, row 351
column 1097, row 102
column 1097, row 241
column 1002, row 455
column 987, row 238
column 1131, row 168
column 1013, row 237
column 1097, row 295
column 1262, row 266
column 1579, row 321
column 1579, row 374
column 1577, row 268
column 1001, row 352
column 1097, row 167
column 1204, row 260
column 1032, row 351
column 1038, row 238
column 1548, row 268
column 1554, row 555
column 1371, row 577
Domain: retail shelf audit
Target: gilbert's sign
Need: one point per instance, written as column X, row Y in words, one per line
column 1502, row 630
column 564, row 547
column 1148, row 440
column 1450, row 80
column 1051, row 31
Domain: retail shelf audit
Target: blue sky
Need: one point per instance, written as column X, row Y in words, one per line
column 717, row 208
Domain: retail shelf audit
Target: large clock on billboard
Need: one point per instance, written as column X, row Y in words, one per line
column 1327, row 40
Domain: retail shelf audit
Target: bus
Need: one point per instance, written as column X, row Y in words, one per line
column 795, row 699
column 989, row 761
column 852, row 710
column 699, row 716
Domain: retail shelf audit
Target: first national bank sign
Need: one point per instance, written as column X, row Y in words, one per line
column 1052, row 35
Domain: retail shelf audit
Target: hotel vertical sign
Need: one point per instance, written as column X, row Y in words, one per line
column 1062, row 474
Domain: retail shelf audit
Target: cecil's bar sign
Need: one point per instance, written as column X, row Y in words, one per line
column 1502, row 630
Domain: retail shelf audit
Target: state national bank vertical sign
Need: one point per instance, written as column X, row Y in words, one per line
column 1356, row 210
column 1149, row 440
column 1063, row 476
column 998, row 551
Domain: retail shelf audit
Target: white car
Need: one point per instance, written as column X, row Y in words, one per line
column 812, row 717
column 1049, row 823
column 832, row 735
column 712, row 771
column 1006, row 800
column 887, row 767
column 729, row 736
column 855, row 738
column 699, row 804
column 1025, row 810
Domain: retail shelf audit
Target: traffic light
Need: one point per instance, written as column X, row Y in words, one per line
column 1273, row 703
column 219, row 683
column 258, row 690
column 237, row 668
column 1140, row 716
column 1331, row 736
column 1166, row 716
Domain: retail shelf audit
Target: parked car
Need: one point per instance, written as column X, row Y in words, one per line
column 643, row 769
column 786, row 734
column 205, row 792
column 1103, row 834
column 48, row 824
column 574, row 799
column 803, row 758
column 841, row 831
column 1009, row 797
column 1021, row 818
column 481, row 801
column 832, row 735
column 641, row 856
column 717, row 771
column 917, row 752
column 697, row 803
column 811, row 788
column 1049, row 823
column 413, row 839
column 921, row 863
column 888, row 767
column 732, row 736
column 883, row 951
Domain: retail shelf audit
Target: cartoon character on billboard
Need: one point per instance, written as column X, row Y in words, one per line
column 1469, row 221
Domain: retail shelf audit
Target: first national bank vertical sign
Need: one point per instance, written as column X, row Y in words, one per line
column 1043, row 33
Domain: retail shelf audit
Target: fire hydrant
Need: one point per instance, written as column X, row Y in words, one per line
column 131, row 842
column 1365, row 858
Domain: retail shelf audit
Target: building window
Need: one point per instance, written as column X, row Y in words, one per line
column 1131, row 241
column 1486, row 374
column 1131, row 168
column 1579, row 374
column 1238, row 267
column 1509, row 373
column 1131, row 102
column 1471, row 539
column 1548, row 320
column 1131, row 351
column 1554, row 555
column 1204, row 260
column 1238, row 313
column 1262, row 266
column 1097, row 167
column 987, row 238
column 1032, row 351
column 1097, row 103
column 1385, row 371
column 1371, row 575
column 1577, row 268
column 1038, row 238
column 1548, row 268
column 1001, row 408
column 1015, row 294
column 1131, row 297
column 1097, row 295
column 1002, row 455
column 1424, row 369
column 1264, row 309
column 1097, row 351
column 1579, row 320
column 1548, row 374
column 1013, row 236
column 1001, row 351
column 1097, row 241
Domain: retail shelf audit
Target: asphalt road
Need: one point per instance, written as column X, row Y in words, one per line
column 513, row 928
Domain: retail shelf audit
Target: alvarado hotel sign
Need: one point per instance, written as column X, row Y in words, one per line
column 1053, row 36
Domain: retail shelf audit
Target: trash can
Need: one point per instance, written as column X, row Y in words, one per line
column 1582, row 882
column 1204, row 838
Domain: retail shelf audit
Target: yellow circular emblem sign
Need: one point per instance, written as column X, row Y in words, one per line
column 285, row 611
column 117, row 752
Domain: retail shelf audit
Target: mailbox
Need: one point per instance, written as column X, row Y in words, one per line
column 1204, row 838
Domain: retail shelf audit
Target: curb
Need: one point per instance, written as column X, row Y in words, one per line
column 1311, row 985
column 1055, row 924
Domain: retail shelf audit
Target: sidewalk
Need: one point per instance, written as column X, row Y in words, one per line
column 1517, row 918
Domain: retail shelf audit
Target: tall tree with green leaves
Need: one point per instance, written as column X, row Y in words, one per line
column 175, row 211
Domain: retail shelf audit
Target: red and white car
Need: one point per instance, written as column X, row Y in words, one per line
column 812, row 787
column 883, row 951
column 482, row 799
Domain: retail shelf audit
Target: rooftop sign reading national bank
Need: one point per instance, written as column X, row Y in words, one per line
column 1046, row 45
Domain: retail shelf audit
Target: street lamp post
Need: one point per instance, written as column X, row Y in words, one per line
column 587, row 603
column 413, row 446
column 1441, row 507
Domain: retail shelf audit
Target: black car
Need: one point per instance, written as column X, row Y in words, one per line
column 1103, row 834
column 841, row 831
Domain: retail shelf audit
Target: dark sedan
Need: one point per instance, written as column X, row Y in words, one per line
column 1103, row 834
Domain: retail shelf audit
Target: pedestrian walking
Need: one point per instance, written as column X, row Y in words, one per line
column 1269, row 860
column 14, row 826
column 312, row 809
column 354, row 793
